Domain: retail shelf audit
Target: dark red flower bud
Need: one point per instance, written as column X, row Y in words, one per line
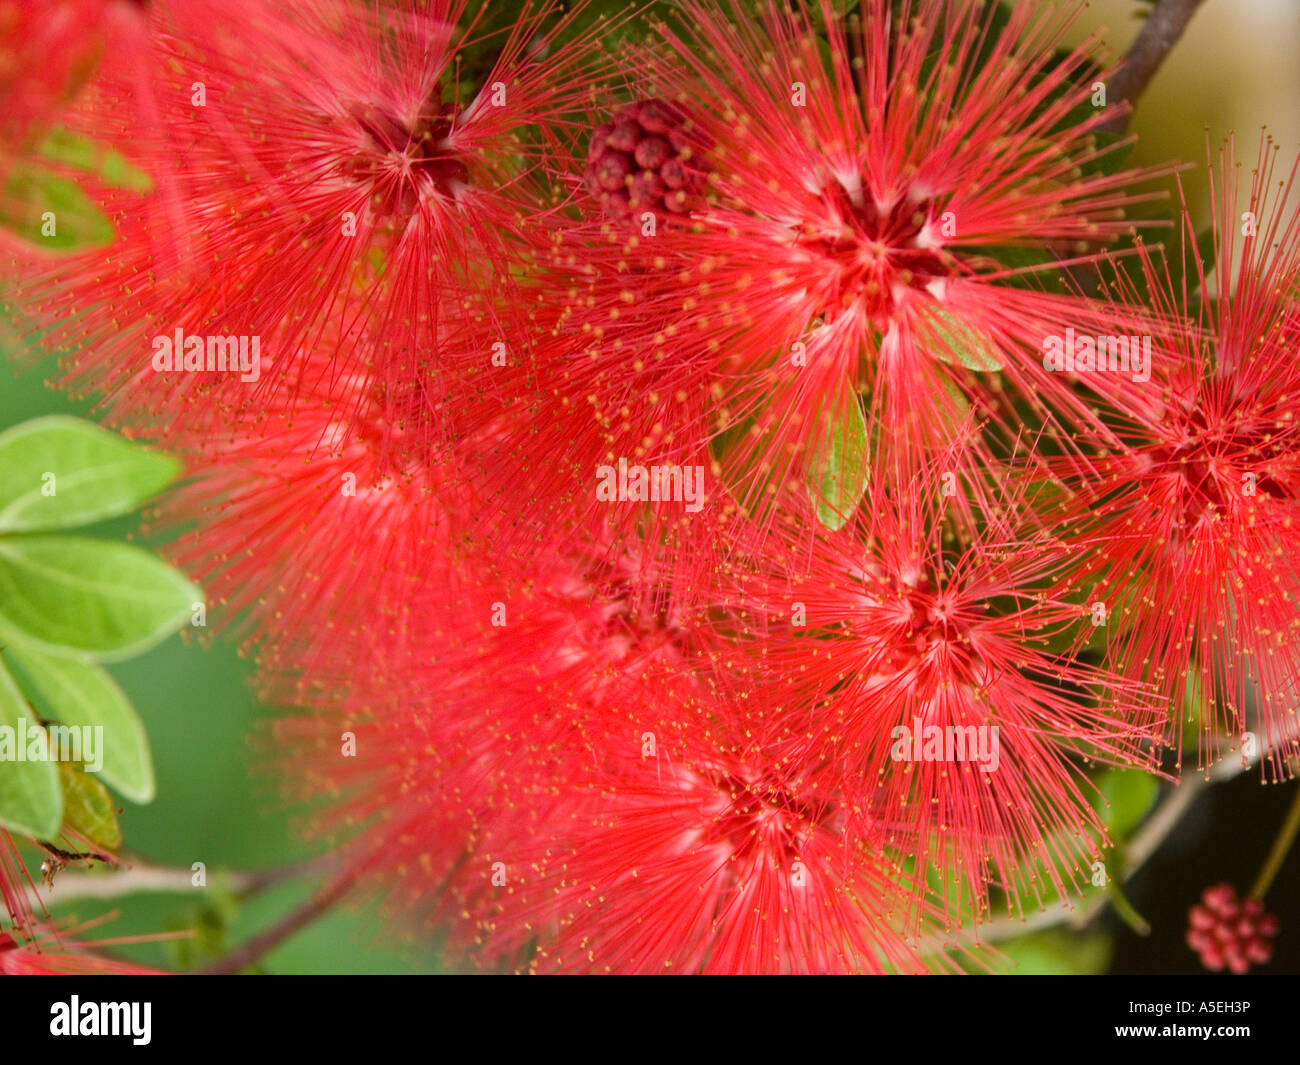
column 1230, row 934
column 641, row 162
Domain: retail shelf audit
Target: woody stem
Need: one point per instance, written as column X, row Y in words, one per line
column 1161, row 31
column 1126, row 911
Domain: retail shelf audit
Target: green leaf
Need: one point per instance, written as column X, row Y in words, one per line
column 94, row 599
column 960, row 344
column 837, row 477
column 30, row 191
column 86, row 695
column 88, row 473
column 31, row 801
column 1057, row 952
column 88, row 808
column 1129, row 793
column 81, row 153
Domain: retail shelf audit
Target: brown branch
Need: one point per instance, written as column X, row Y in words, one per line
column 1161, row 31
column 315, row 906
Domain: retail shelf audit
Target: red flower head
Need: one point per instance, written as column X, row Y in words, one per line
column 846, row 242
column 923, row 657
column 319, row 518
column 462, row 723
column 496, row 768
column 685, row 852
column 347, row 171
column 1195, row 514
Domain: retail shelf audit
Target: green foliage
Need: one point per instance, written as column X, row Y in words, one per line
column 51, row 211
column 92, row 599
column 961, row 344
column 88, row 810
column 1115, row 152
column 1034, row 262
column 62, row 472
column 44, row 203
column 837, row 476
column 31, row 800
column 85, row 694
column 68, row 602
column 111, row 168
column 1058, row 953
column 1126, row 796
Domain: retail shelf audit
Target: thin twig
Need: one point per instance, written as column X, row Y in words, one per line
column 244, row 956
column 143, row 878
column 1278, row 852
column 1162, row 30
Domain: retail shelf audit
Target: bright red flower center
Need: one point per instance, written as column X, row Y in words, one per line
column 764, row 813
column 880, row 251
column 1221, row 453
column 405, row 162
column 923, row 617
